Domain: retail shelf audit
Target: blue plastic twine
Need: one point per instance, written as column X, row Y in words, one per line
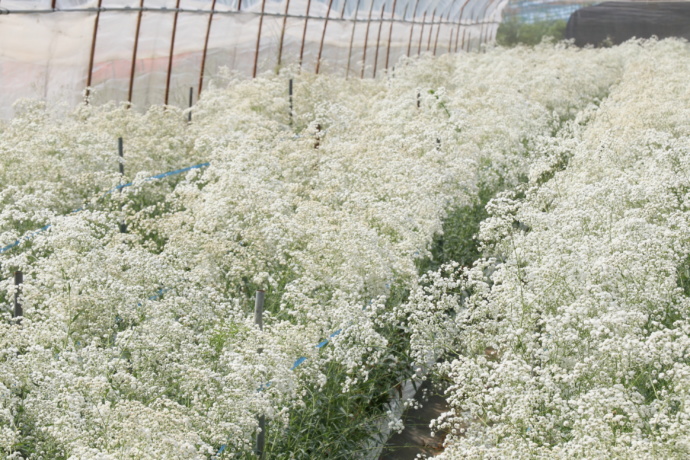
column 119, row 187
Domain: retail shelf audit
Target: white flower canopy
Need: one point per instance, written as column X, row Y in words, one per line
column 153, row 51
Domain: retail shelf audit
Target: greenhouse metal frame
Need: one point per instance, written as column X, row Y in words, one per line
column 149, row 52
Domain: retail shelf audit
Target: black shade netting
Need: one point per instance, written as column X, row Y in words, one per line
column 616, row 22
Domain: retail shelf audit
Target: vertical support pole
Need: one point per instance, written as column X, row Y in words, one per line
column 203, row 55
column 462, row 9
column 467, row 42
column 431, row 30
column 421, row 35
column 390, row 31
column 282, row 33
column 366, row 40
column 481, row 34
column 258, row 320
column 53, row 4
column 487, row 23
column 290, row 99
column 18, row 281
column 438, row 30
column 172, row 51
column 304, row 33
column 342, row 11
column 352, row 39
column 93, row 50
column 482, row 23
column 134, row 53
column 258, row 38
column 414, row 15
column 378, row 39
column 191, row 101
column 323, row 35
column 121, row 153
column 419, row 99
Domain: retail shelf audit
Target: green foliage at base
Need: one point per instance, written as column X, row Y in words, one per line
column 515, row 32
column 345, row 425
column 457, row 242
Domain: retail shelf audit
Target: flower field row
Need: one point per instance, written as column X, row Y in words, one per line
column 331, row 209
column 572, row 335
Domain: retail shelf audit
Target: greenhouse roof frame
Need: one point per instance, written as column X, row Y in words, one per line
column 159, row 44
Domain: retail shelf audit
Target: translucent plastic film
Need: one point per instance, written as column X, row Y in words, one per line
column 157, row 51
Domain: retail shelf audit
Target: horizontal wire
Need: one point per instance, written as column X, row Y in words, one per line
column 462, row 22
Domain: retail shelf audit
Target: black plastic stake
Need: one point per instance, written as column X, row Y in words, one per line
column 120, row 151
column 318, row 136
column 290, row 94
column 191, row 100
column 259, row 311
column 258, row 320
column 18, row 281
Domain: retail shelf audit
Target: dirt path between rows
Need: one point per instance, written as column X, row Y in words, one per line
column 416, row 438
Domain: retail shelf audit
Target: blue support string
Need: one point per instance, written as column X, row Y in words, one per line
column 298, row 362
column 119, row 187
column 159, row 176
column 26, row 237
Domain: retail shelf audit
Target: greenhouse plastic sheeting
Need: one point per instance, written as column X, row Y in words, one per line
column 616, row 22
column 153, row 51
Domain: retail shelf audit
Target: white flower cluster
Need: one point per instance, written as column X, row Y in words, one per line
column 141, row 344
column 574, row 340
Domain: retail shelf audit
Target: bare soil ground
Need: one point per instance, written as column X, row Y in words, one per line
column 416, row 438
